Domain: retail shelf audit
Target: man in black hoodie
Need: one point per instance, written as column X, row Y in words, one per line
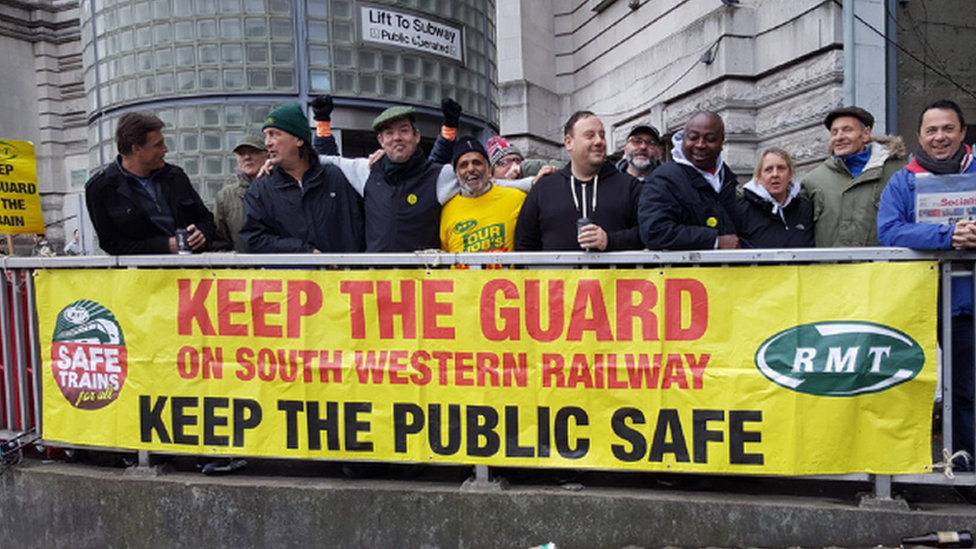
column 588, row 205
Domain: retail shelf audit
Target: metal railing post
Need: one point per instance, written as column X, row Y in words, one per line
column 20, row 348
column 7, row 353
column 946, row 313
column 36, row 364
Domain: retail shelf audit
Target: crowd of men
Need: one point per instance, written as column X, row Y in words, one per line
column 469, row 196
column 472, row 197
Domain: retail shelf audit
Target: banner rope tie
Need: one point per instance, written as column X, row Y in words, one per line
column 949, row 458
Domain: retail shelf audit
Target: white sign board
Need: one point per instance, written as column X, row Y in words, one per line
column 399, row 29
column 945, row 199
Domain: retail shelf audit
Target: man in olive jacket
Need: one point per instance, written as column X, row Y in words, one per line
column 846, row 188
column 251, row 154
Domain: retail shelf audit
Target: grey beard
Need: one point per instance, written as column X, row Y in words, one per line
column 640, row 164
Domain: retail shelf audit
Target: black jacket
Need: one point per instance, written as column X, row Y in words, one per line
column 404, row 211
column 679, row 210
column 324, row 214
column 759, row 227
column 120, row 216
column 548, row 217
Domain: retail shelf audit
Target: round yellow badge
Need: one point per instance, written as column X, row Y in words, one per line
column 411, row 199
column 711, row 222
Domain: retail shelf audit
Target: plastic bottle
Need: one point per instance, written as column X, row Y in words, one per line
column 944, row 540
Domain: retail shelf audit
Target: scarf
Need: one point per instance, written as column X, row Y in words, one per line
column 394, row 172
column 954, row 164
column 856, row 162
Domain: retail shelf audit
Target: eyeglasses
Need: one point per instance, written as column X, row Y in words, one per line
column 642, row 141
column 506, row 162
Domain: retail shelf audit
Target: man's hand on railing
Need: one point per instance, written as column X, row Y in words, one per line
column 728, row 242
column 964, row 235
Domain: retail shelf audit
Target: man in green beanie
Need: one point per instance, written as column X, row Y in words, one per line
column 402, row 192
column 302, row 205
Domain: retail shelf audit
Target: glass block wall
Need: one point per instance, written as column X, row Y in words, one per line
column 212, row 69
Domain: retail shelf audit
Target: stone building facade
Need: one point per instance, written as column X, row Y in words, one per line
column 43, row 99
column 771, row 68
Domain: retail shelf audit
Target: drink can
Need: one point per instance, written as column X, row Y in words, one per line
column 580, row 223
column 183, row 242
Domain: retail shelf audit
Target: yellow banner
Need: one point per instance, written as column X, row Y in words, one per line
column 20, row 201
column 816, row 369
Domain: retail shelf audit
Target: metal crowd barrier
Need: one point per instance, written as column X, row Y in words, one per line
column 20, row 402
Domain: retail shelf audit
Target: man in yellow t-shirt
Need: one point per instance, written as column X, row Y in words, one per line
column 482, row 217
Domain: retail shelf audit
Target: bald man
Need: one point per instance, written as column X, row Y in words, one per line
column 690, row 204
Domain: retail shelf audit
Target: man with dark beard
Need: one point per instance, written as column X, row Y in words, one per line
column 642, row 152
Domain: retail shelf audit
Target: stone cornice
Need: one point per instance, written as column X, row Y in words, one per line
column 40, row 21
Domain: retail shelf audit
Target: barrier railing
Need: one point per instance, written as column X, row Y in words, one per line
column 21, row 406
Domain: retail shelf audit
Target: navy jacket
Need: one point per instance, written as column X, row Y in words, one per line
column 679, row 210
column 324, row 214
column 759, row 227
column 404, row 208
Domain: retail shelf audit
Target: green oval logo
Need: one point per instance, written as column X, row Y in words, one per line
column 464, row 226
column 840, row 359
column 8, row 151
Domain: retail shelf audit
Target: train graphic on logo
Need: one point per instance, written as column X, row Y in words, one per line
column 88, row 355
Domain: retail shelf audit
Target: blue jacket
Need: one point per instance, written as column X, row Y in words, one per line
column 897, row 227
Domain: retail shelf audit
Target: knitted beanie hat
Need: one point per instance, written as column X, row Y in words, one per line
column 464, row 145
column 498, row 148
column 291, row 119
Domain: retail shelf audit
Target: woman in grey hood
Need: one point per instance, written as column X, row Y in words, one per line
column 771, row 213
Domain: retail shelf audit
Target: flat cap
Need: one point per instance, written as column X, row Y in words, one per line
column 864, row 116
column 391, row 114
column 252, row 141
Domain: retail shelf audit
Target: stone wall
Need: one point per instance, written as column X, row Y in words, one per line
column 772, row 69
column 44, row 94
column 938, row 38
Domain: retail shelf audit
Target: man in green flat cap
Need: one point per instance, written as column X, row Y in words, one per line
column 402, row 192
column 229, row 204
column 302, row 205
